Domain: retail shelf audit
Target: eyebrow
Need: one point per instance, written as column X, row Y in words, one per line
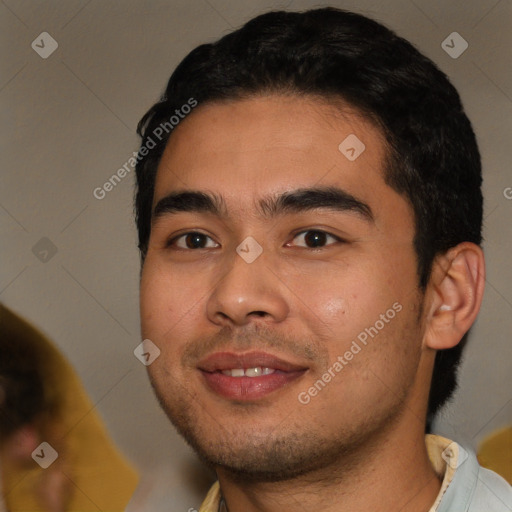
column 296, row 201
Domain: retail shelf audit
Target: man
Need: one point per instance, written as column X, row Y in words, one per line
column 309, row 212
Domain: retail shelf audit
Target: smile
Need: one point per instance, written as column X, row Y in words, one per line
column 249, row 376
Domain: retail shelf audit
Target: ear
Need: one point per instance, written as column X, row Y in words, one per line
column 456, row 289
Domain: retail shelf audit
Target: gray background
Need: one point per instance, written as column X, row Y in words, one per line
column 70, row 124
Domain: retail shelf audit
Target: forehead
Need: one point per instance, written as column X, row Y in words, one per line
column 245, row 150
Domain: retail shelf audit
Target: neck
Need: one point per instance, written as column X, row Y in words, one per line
column 392, row 473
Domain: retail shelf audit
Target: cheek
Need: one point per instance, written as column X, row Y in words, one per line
column 170, row 302
column 334, row 307
column 157, row 299
column 147, row 295
column 359, row 304
column 326, row 288
column 341, row 297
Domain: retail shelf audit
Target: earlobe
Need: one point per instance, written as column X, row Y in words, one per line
column 456, row 289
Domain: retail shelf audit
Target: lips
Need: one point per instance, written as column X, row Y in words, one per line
column 247, row 376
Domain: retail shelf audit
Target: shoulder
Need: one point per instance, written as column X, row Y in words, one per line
column 492, row 493
column 476, row 489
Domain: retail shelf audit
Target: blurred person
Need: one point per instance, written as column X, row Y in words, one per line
column 309, row 212
column 42, row 400
column 26, row 406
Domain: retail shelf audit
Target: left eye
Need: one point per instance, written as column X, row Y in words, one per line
column 316, row 238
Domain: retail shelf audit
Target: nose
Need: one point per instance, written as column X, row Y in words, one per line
column 248, row 291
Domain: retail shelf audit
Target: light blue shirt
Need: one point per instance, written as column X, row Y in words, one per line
column 474, row 488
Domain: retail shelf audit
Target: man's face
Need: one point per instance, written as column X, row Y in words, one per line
column 333, row 284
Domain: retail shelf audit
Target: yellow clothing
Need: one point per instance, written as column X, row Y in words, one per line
column 495, row 452
column 102, row 478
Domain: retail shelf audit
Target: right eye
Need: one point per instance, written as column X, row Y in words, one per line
column 191, row 240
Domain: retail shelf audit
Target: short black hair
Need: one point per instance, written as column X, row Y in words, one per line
column 433, row 157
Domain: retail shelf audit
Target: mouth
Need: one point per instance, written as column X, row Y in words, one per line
column 249, row 376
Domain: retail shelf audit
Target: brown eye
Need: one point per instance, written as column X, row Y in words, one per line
column 191, row 240
column 314, row 239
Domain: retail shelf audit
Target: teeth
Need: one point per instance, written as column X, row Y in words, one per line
column 248, row 372
column 253, row 372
